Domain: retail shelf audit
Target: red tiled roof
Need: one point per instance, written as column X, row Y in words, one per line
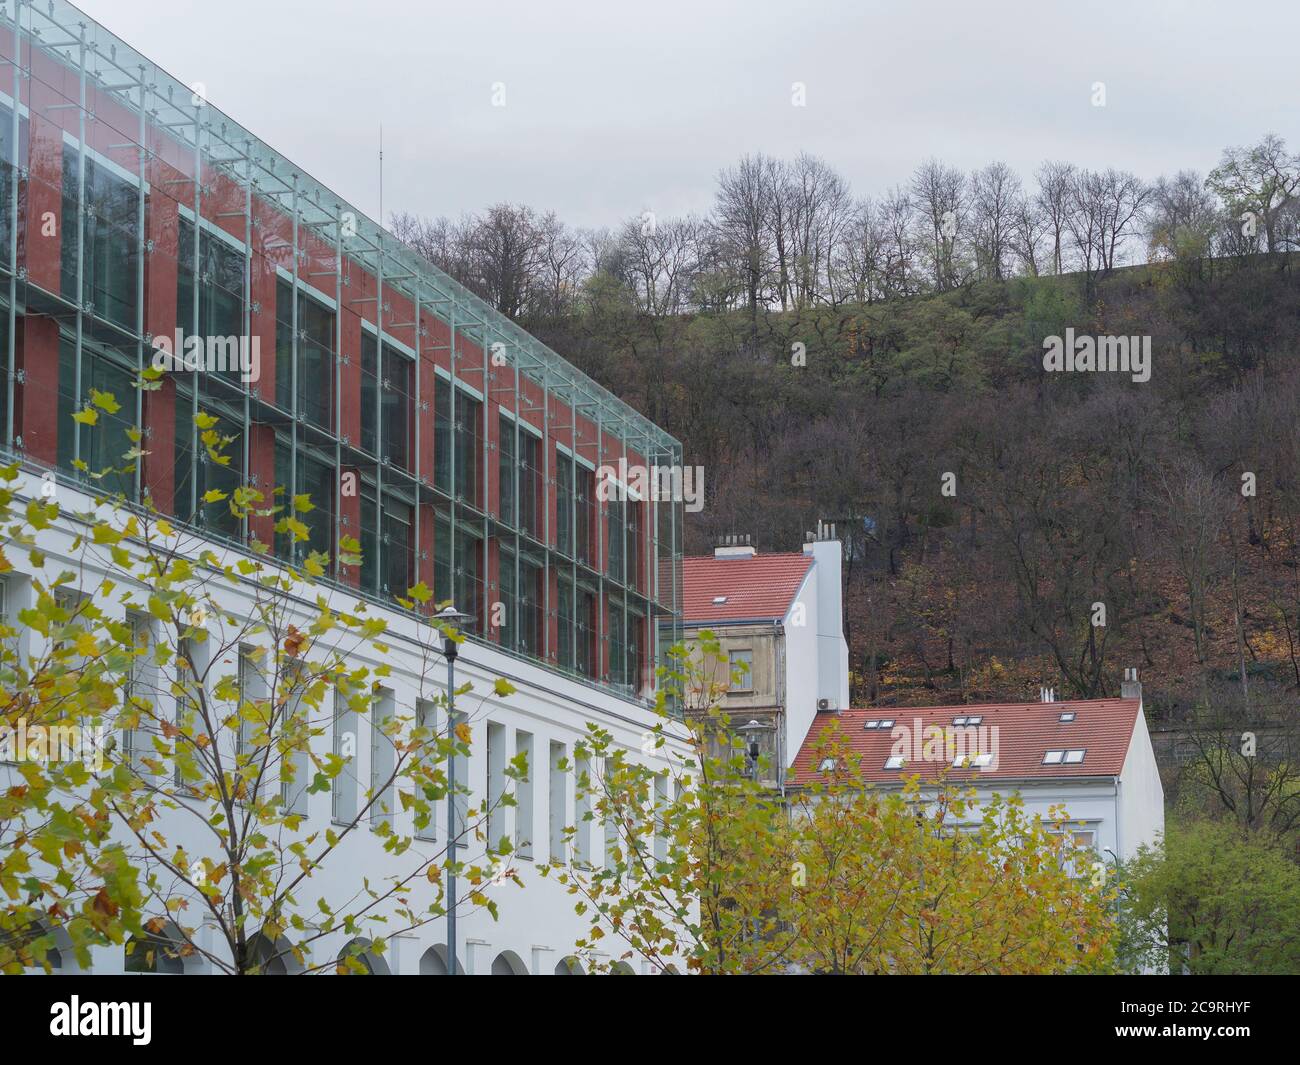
column 761, row 587
column 1103, row 728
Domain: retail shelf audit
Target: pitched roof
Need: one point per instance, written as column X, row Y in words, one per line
column 1102, row 728
column 760, row 587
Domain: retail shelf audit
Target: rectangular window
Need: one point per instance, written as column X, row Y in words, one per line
column 564, row 504
column 615, row 527
column 442, row 587
column 101, row 446
column 524, row 797
column 138, row 693
column 531, row 575
column 344, row 786
column 530, row 485
column 496, row 784
column 387, row 404
column 295, row 772
column 315, row 357
column 250, row 723
column 635, row 651
column 661, row 809
column 611, row 830
column 507, row 467
column 220, row 309
column 469, row 448
column 588, row 662
column 442, row 435
column 582, row 813
column 584, row 515
column 616, row 640
column 383, row 759
column 426, row 714
column 741, row 664
column 632, row 546
column 567, row 653
column 558, row 796
column 109, row 246
column 185, row 772
column 468, row 577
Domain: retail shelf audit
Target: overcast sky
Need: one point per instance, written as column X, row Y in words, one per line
column 612, row 109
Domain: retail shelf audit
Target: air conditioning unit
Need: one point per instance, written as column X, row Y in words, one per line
column 824, row 705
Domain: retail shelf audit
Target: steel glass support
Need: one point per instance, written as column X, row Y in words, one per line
column 15, row 170
column 81, row 233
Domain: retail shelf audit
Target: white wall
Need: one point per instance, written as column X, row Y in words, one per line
column 832, row 648
column 537, row 923
column 802, row 665
column 1142, row 797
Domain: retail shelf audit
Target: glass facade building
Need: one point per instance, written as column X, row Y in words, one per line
column 458, row 449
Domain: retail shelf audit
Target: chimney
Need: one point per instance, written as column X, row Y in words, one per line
column 1047, row 695
column 826, row 606
column 1131, row 687
column 734, row 545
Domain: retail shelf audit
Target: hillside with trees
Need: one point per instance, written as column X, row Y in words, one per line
column 879, row 362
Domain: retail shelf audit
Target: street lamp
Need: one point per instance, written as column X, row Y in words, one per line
column 450, row 620
column 753, row 734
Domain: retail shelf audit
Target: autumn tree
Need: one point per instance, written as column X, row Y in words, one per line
column 231, row 689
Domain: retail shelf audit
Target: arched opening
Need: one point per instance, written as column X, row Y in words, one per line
column 433, row 962
column 507, row 963
column 160, row 950
column 358, row 959
column 272, row 957
column 569, row 966
column 671, row 970
column 621, row 968
column 34, row 946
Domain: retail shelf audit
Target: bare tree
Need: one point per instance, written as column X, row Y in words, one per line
column 941, row 198
column 863, row 253
column 1029, row 227
column 1055, row 204
column 995, row 197
column 742, row 215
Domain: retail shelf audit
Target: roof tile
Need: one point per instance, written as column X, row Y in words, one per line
column 760, row 587
column 1103, row 728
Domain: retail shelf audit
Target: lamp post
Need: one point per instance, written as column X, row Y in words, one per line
column 451, row 620
column 753, row 733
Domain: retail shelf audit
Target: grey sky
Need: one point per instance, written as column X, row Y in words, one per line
column 613, row 109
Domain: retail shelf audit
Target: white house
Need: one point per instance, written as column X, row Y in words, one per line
column 779, row 617
column 1092, row 757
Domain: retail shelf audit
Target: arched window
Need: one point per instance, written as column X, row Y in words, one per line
column 35, row 946
column 569, row 966
column 157, row 952
column 507, row 963
column 273, row 957
column 434, row 962
column 621, row 968
column 358, row 959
